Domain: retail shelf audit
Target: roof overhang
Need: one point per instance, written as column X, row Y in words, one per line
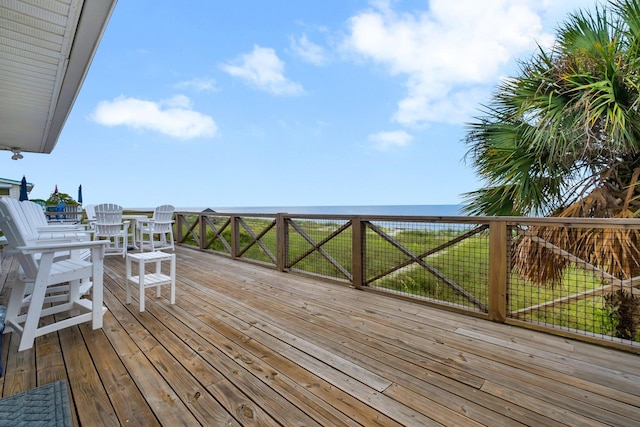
column 46, row 48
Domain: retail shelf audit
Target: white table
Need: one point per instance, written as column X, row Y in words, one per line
column 148, row 280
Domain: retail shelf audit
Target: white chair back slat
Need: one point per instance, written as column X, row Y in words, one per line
column 34, row 213
column 163, row 218
column 90, row 212
column 16, row 229
column 108, row 220
column 27, row 228
column 38, row 220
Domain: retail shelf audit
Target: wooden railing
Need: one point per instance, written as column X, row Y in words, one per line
column 461, row 263
column 64, row 213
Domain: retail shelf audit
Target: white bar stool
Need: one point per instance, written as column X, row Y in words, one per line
column 148, row 280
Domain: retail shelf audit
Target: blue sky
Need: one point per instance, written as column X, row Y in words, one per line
column 287, row 102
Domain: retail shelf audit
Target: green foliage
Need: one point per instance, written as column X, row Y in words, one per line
column 465, row 264
column 623, row 310
column 566, row 123
column 580, row 314
column 57, row 197
column 338, row 248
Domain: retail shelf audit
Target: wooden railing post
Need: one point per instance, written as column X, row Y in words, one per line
column 358, row 246
column 282, row 242
column 203, row 231
column 498, row 270
column 235, row 236
column 178, row 228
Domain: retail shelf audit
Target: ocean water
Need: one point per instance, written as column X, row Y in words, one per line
column 398, row 210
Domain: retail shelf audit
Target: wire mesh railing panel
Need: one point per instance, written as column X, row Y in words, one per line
column 258, row 239
column 561, row 278
column 320, row 247
column 189, row 230
column 444, row 263
column 217, row 233
column 572, row 276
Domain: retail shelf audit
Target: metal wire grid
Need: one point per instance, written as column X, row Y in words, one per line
column 430, row 261
column 320, row 247
column 580, row 299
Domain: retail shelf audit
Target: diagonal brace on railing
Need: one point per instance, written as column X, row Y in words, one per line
column 190, row 230
column 257, row 239
column 318, row 247
column 429, row 267
column 217, row 233
column 431, row 251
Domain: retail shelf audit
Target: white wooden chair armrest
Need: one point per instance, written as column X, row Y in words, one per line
column 69, row 236
column 48, row 242
column 41, row 248
column 124, row 223
column 60, row 228
column 150, row 221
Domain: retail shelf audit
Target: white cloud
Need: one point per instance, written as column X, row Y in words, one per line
column 308, row 51
column 263, row 69
column 451, row 55
column 384, row 141
column 199, row 85
column 173, row 117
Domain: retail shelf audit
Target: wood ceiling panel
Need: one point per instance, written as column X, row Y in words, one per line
column 46, row 47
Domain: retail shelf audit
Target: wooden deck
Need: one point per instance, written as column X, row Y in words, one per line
column 246, row 345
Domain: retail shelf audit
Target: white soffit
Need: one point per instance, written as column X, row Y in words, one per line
column 46, row 47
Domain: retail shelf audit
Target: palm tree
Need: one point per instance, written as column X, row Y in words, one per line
column 563, row 139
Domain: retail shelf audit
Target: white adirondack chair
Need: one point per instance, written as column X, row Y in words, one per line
column 34, row 233
column 43, row 280
column 161, row 225
column 110, row 226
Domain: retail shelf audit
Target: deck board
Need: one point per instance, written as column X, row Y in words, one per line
column 249, row 346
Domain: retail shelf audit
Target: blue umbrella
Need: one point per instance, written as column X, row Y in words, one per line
column 80, row 194
column 23, row 189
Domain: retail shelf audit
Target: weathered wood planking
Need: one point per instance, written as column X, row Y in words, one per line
column 250, row 346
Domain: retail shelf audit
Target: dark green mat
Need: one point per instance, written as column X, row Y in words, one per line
column 44, row 406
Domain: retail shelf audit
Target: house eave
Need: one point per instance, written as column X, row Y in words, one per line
column 45, row 54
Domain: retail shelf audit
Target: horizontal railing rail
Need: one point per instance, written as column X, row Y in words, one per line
column 468, row 264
